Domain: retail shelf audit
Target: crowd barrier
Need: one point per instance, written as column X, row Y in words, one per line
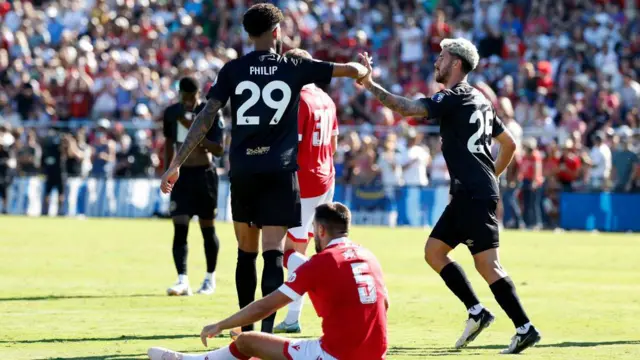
column 600, row 211
column 370, row 205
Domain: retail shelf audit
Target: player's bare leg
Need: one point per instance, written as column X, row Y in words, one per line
column 436, row 253
column 211, row 249
column 180, row 251
column 273, row 239
column 246, row 275
column 488, row 265
column 294, row 256
column 247, row 345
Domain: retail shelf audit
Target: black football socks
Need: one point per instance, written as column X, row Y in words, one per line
column 272, row 278
column 457, row 282
column 505, row 293
column 180, row 248
column 211, row 247
column 246, row 280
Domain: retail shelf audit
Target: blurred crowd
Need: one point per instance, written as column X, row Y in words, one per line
column 92, row 77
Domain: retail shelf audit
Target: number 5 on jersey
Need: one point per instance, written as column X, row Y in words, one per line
column 279, row 105
column 365, row 282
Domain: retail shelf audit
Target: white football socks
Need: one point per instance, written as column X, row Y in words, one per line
column 183, row 279
column 523, row 329
column 220, row 354
column 475, row 309
column 295, row 308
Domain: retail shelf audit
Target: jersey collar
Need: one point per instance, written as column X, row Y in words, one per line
column 339, row 241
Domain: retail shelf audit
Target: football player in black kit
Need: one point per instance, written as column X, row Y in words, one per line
column 196, row 193
column 264, row 90
column 468, row 123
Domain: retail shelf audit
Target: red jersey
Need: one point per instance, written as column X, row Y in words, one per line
column 345, row 286
column 317, row 123
column 530, row 169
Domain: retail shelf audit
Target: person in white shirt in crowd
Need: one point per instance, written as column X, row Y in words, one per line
column 412, row 38
column 415, row 161
column 439, row 172
column 389, row 164
column 600, row 155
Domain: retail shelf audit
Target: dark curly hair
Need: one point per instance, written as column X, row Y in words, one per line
column 261, row 18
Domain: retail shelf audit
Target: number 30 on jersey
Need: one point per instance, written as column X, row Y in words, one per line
column 279, row 105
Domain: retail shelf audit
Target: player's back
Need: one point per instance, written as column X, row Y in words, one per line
column 350, row 299
column 317, row 124
column 264, row 90
column 468, row 123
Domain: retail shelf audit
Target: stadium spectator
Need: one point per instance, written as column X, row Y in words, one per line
column 600, row 156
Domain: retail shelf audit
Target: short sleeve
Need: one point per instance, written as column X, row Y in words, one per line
column 221, row 88
column 168, row 125
column 304, row 112
column 302, row 280
column 438, row 104
column 314, row 71
column 498, row 126
column 216, row 132
column 334, row 129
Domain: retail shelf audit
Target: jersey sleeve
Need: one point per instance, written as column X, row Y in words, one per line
column 216, row 133
column 314, row 71
column 304, row 113
column 334, row 128
column 498, row 126
column 168, row 125
column 302, row 280
column 438, row 104
column 221, row 88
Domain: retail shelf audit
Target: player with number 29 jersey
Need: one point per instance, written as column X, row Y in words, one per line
column 468, row 124
column 264, row 90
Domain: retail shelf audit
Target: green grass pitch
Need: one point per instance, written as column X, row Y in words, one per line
column 94, row 289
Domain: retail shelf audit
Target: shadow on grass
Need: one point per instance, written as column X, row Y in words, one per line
column 567, row 344
column 101, row 357
column 425, row 351
column 116, row 338
column 73, row 297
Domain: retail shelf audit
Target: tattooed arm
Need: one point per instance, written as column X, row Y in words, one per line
column 399, row 104
column 201, row 125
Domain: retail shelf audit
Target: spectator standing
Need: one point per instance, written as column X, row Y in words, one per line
column 624, row 161
column 29, row 155
column 103, row 156
column 415, row 162
column 532, row 179
column 600, row 155
column 54, row 157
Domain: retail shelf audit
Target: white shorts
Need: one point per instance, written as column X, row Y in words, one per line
column 301, row 234
column 305, row 350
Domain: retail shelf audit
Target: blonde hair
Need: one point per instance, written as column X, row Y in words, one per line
column 463, row 49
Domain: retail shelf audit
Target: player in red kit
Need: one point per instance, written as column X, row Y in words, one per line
column 353, row 305
column 317, row 142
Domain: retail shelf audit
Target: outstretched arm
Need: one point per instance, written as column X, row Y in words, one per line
column 201, row 124
column 399, row 104
column 351, row 70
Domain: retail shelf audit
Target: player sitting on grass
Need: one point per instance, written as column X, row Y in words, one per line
column 345, row 285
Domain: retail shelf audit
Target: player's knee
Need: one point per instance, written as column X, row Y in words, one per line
column 244, row 341
column 180, row 220
column 433, row 255
column 273, row 238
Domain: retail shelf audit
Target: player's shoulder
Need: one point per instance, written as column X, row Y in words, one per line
column 172, row 110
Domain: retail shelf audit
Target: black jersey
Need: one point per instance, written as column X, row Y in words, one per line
column 468, row 122
column 174, row 130
column 264, row 89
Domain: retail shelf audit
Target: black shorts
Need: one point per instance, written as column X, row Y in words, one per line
column 55, row 181
column 267, row 199
column 195, row 193
column 469, row 221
